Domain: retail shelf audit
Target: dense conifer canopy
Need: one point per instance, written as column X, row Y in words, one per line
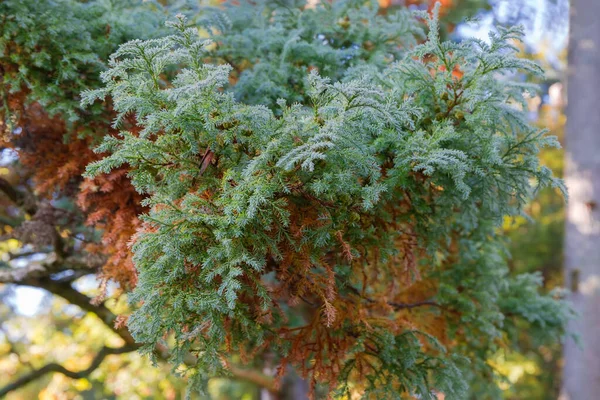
column 321, row 185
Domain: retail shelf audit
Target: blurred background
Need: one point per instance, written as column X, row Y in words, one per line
column 36, row 326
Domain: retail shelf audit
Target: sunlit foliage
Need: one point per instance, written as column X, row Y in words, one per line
column 321, row 185
column 311, row 227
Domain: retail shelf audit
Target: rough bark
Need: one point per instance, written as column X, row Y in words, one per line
column 581, row 376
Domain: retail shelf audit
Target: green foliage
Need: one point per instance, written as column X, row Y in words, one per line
column 290, row 41
column 224, row 165
column 58, row 48
column 534, row 368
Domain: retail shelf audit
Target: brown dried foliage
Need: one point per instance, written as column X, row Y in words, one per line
column 56, row 157
column 395, row 296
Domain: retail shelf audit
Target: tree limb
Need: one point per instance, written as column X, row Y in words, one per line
column 253, row 376
column 18, row 275
column 14, row 256
column 73, row 296
column 398, row 306
column 54, row 367
column 17, row 197
column 35, row 271
column 408, row 306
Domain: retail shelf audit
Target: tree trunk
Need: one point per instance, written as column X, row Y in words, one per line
column 581, row 375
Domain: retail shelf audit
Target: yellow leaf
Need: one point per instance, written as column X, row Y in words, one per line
column 82, row 384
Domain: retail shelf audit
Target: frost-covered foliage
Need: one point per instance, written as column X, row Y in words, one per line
column 324, row 189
